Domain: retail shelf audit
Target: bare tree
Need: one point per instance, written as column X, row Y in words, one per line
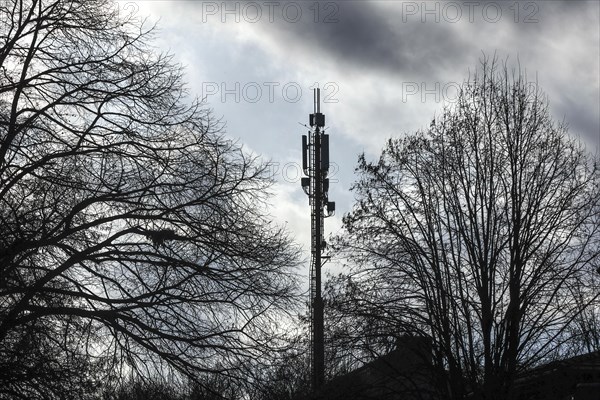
column 133, row 234
column 288, row 377
column 481, row 233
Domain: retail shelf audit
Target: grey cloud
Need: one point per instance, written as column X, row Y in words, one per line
column 367, row 36
column 378, row 41
column 582, row 121
column 376, row 36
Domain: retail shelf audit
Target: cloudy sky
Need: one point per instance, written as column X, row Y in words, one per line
column 385, row 68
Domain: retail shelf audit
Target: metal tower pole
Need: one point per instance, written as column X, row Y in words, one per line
column 317, row 211
column 315, row 163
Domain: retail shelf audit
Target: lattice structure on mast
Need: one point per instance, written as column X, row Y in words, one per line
column 315, row 165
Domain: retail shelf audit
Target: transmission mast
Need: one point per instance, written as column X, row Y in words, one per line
column 315, row 165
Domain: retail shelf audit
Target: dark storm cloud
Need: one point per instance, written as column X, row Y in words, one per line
column 415, row 37
column 368, row 36
column 358, row 34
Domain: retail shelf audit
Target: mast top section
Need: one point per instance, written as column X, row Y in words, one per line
column 317, row 119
